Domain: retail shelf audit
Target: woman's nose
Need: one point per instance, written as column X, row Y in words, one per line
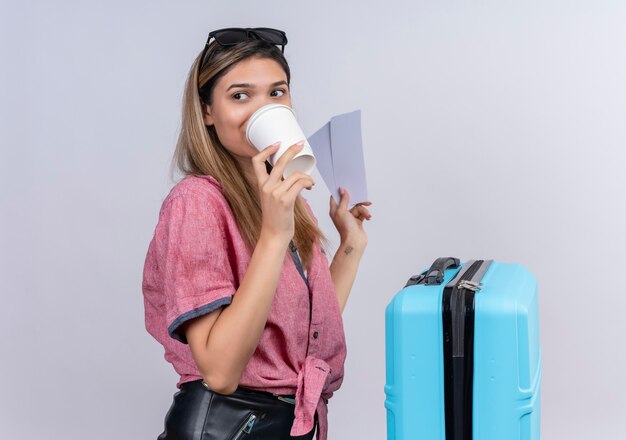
column 265, row 101
column 262, row 102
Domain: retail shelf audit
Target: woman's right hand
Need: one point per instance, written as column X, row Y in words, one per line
column 278, row 195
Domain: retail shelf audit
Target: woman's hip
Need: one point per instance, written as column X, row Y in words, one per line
column 198, row 413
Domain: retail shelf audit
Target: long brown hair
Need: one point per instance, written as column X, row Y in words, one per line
column 200, row 152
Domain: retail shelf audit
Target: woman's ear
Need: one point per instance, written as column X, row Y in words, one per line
column 206, row 114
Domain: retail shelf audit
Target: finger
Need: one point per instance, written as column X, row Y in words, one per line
column 296, row 188
column 345, row 197
column 258, row 162
column 358, row 210
column 293, row 178
column 333, row 205
column 361, row 211
column 281, row 164
column 364, row 211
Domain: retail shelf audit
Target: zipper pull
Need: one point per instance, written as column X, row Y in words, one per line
column 469, row 285
column 250, row 423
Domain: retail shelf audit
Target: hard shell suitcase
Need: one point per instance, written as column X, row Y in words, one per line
column 463, row 359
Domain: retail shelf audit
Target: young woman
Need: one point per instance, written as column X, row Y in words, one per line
column 254, row 332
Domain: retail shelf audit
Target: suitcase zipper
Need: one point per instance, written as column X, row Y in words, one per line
column 246, row 428
column 457, row 297
column 458, row 326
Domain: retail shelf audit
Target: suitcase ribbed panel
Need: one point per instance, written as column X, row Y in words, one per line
column 414, row 357
column 507, row 355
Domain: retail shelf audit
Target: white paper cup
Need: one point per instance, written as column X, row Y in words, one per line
column 277, row 122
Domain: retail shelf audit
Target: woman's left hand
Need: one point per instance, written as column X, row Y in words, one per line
column 349, row 224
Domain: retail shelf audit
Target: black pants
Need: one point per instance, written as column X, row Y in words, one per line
column 198, row 413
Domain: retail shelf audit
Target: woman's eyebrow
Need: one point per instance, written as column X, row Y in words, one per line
column 252, row 86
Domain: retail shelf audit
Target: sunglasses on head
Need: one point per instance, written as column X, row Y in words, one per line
column 232, row 36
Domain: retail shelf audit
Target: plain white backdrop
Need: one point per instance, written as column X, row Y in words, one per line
column 491, row 129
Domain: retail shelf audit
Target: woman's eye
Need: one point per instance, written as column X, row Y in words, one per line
column 237, row 94
column 282, row 92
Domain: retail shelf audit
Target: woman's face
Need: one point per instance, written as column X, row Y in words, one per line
column 249, row 85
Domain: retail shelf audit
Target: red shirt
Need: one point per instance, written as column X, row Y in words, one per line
column 194, row 265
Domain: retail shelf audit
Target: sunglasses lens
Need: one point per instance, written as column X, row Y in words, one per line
column 271, row 36
column 229, row 37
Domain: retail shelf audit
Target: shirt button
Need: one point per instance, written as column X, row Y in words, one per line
column 315, row 335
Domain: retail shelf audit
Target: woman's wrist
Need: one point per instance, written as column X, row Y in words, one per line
column 274, row 240
column 357, row 243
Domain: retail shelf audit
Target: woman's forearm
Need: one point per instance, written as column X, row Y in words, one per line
column 236, row 333
column 344, row 267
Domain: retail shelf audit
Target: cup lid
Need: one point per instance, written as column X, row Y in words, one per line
column 262, row 110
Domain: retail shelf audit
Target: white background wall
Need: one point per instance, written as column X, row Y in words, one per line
column 492, row 129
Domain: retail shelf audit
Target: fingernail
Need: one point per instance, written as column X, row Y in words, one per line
column 301, row 143
column 275, row 144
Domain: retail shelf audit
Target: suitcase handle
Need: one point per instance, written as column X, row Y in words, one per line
column 434, row 275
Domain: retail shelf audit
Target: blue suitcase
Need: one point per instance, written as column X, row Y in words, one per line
column 463, row 359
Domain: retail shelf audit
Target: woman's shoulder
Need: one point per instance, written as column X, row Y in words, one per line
column 203, row 194
column 205, row 187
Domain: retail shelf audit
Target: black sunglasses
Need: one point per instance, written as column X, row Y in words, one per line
column 232, row 36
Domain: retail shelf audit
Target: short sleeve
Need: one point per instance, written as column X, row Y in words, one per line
column 192, row 255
